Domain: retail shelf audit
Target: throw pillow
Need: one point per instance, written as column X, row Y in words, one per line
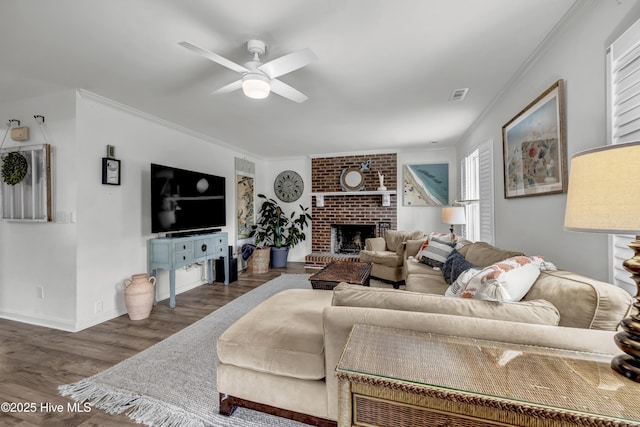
column 436, row 252
column 504, row 281
column 454, row 266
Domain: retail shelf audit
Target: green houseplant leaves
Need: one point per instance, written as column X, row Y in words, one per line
column 274, row 228
column 14, row 168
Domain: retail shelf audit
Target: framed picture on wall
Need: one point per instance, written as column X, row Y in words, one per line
column 534, row 147
column 425, row 185
column 245, row 205
column 110, row 171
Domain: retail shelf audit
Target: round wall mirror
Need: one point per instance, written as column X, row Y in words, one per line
column 352, row 179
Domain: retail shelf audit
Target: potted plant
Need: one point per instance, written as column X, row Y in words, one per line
column 279, row 231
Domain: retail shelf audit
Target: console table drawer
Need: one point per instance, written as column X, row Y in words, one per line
column 182, row 258
column 203, row 247
column 368, row 411
column 184, row 246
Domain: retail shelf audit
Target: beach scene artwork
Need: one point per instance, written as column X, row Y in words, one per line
column 534, row 152
column 426, row 185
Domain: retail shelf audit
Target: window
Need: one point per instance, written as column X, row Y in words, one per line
column 476, row 182
column 623, row 125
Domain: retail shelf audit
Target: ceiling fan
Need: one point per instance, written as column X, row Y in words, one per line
column 259, row 79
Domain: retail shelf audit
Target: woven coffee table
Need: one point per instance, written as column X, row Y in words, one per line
column 356, row 273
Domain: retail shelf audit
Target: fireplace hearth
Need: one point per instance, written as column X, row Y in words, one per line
column 349, row 238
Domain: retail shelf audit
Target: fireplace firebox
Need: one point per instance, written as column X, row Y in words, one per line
column 349, row 238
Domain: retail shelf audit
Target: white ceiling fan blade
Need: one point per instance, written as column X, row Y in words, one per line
column 228, row 88
column 288, row 63
column 287, row 91
column 214, row 57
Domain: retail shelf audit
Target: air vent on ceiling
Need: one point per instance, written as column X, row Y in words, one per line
column 459, row 94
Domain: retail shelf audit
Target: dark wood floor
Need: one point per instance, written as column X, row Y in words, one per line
column 34, row 360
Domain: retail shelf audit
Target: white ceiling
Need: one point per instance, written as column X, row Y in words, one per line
column 382, row 80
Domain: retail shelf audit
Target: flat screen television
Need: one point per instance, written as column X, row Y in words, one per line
column 183, row 200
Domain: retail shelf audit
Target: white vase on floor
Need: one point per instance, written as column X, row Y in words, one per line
column 139, row 293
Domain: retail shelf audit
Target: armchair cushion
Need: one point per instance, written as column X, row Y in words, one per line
column 375, row 244
column 389, row 259
column 395, row 239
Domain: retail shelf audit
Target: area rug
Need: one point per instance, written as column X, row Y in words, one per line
column 173, row 383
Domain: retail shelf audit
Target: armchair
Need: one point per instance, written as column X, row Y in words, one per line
column 386, row 254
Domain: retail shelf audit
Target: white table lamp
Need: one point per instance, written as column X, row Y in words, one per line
column 603, row 197
column 453, row 215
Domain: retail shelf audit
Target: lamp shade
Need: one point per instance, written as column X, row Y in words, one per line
column 603, row 193
column 256, row 86
column 453, row 215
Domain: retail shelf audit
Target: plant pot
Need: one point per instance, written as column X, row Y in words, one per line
column 279, row 257
column 139, row 293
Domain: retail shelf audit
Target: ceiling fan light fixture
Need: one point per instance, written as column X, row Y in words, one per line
column 256, row 86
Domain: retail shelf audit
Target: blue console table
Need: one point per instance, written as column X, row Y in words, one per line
column 173, row 253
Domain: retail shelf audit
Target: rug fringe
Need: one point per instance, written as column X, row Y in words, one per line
column 139, row 408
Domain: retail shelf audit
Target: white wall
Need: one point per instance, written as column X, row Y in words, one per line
column 426, row 218
column 577, row 55
column 114, row 221
column 43, row 255
column 82, row 264
column 301, row 165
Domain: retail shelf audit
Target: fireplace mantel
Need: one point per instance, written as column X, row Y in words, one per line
column 386, row 195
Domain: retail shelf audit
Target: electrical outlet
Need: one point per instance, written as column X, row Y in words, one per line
column 40, row 290
column 99, row 307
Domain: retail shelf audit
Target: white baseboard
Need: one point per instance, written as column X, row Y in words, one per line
column 70, row 326
column 32, row 319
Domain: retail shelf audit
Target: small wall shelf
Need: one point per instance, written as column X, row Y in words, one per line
column 386, row 195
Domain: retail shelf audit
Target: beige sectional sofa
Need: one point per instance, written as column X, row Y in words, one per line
column 281, row 356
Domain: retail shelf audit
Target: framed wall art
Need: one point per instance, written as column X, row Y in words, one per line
column 425, row 185
column 534, row 147
column 110, row 171
column 25, row 186
column 245, row 213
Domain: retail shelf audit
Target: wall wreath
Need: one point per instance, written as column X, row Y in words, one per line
column 14, row 168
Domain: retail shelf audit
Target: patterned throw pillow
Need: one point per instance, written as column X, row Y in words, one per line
column 436, row 252
column 505, row 281
column 454, row 266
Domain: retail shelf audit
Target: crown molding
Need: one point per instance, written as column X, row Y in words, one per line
column 83, row 93
column 577, row 6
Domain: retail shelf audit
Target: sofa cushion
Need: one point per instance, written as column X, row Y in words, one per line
column 540, row 311
column 583, row 302
column 435, row 252
column 483, row 254
column 282, row 335
column 388, row 258
column 424, row 279
column 454, row 265
column 507, row 281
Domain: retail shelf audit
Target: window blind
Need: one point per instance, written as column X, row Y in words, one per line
column 485, row 178
column 476, row 178
column 623, row 123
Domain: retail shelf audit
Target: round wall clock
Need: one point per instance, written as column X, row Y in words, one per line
column 288, row 186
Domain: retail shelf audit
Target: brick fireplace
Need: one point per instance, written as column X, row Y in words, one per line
column 351, row 208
